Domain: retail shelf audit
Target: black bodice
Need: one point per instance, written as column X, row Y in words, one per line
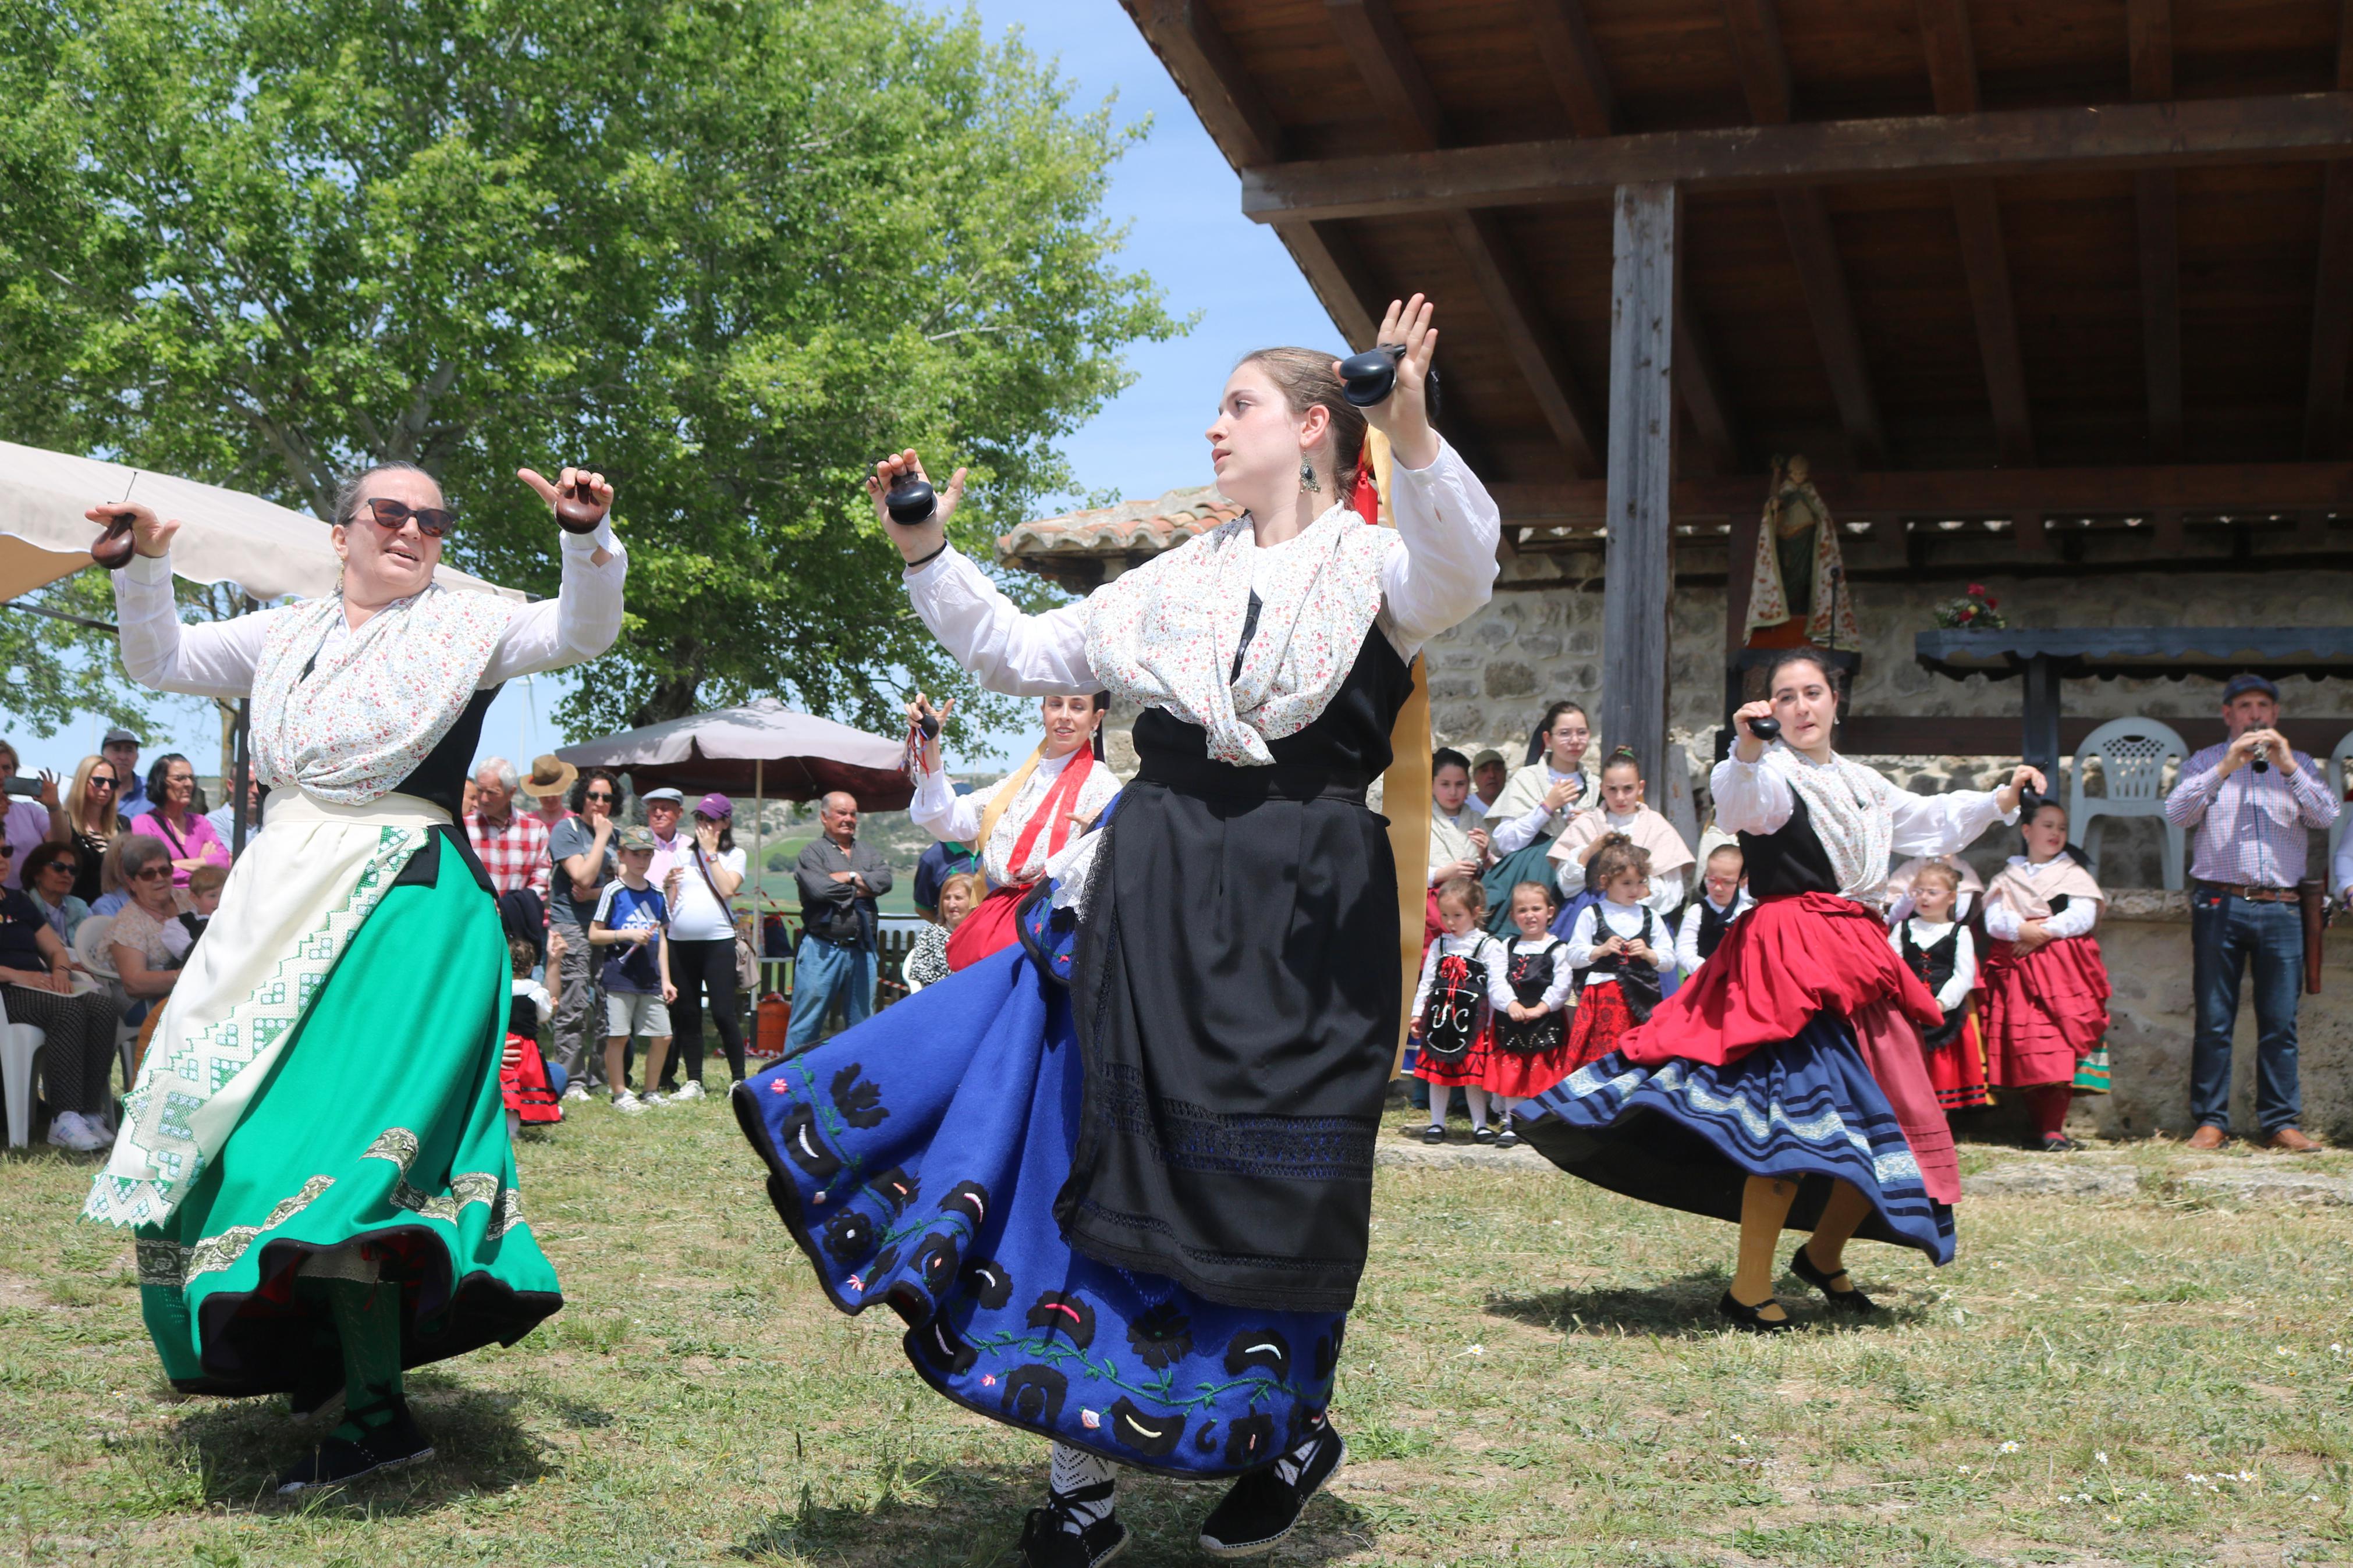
column 1934, row 964
column 1790, row 859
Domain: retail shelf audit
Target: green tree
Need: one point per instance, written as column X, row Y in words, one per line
column 60, row 663
column 728, row 251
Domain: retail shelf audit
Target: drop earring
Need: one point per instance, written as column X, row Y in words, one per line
column 1307, row 476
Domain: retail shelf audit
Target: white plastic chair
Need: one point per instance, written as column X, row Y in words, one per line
column 2335, row 776
column 19, row 1044
column 92, row 952
column 2132, row 755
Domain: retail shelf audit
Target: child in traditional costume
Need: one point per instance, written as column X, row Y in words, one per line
column 1454, row 1006
column 314, row 1158
column 1624, row 814
column 1618, row 949
column 524, row 1083
column 1898, row 891
column 1937, row 946
column 1723, row 899
column 1117, row 1178
column 1786, row 1083
column 1529, row 1051
column 1538, row 804
column 1020, row 822
column 2046, row 988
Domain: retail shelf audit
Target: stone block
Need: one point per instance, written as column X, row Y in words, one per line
column 1509, row 678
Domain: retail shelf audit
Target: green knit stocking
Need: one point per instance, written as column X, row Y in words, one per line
column 367, row 1318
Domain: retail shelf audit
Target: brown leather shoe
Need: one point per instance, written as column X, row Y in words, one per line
column 2209, row 1137
column 2288, row 1140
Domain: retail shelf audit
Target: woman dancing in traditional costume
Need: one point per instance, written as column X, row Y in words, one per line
column 1784, row 1084
column 1117, row 1180
column 1020, row 822
column 315, row 1155
column 2046, row 986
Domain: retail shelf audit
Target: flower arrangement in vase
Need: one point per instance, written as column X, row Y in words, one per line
column 1975, row 610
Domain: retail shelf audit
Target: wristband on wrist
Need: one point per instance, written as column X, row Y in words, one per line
column 927, row 560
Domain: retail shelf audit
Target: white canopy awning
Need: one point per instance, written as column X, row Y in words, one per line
column 227, row 536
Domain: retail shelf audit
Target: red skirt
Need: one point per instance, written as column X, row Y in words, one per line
column 1603, row 1020
column 2045, row 1012
column 1781, row 963
column 990, row 928
column 524, row 1086
column 1957, row 1069
column 1518, row 1075
column 1470, row 1071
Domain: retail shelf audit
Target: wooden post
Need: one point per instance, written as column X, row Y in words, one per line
column 2040, row 703
column 1740, row 545
column 1638, row 565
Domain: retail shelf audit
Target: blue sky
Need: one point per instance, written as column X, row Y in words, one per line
column 1182, row 208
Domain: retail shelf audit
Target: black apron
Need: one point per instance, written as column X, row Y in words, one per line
column 1236, row 995
column 1935, row 965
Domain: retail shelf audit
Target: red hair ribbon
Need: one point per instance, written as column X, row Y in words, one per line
column 1367, row 496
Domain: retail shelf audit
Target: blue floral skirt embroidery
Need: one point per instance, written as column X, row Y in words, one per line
column 1688, row 1135
column 916, row 1159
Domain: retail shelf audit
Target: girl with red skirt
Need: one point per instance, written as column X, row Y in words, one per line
column 1786, row 1085
column 2046, row 988
column 1461, row 990
column 1935, row 945
column 1529, row 1052
column 1019, row 822
column 1621, row 950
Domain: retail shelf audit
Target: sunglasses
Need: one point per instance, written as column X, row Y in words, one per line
column 99, row 781
column 604, row 795
column 151, row 873
column 433, row 521
column 6, row 851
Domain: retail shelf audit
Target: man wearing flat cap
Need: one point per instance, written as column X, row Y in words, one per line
column 2248, row 806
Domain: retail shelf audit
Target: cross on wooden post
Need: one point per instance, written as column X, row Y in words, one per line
column 1639, row 564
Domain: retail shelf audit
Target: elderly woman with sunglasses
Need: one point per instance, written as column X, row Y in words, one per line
column 271, row 1167
column 36, row 988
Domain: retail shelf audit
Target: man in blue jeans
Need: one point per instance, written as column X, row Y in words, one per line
column 2248, row 806
column 839, row 879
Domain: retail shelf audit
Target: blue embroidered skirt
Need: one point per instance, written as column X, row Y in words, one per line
column 1687, row 1135
column 916, row 1158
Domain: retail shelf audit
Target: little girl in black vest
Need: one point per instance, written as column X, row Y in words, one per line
column 1723, row 899
column 1621, row 950
column 1463, row 985
column 1529, row 1053
column 1936, row 945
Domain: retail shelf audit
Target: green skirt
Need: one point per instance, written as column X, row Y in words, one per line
column 380, row 1123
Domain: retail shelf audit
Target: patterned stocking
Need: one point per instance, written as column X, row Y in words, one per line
column 1080, row 1488
column 1288, row 1467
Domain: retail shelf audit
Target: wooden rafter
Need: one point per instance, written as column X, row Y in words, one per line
column 1335, row 269
column 2162, row 495
column 1755, row 29
column 1566, row 45
column 2332, row 301
column 2192, row 133
column 2149, row 42
column 1945, row 37
column 1393, row 79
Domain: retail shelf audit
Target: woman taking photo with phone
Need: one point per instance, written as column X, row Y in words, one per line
column 1125, row 1165
column 309, row 1222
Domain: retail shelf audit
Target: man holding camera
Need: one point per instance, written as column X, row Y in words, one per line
column 2248, row 806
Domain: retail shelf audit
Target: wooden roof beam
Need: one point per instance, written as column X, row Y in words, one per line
column 2199, row 132
column 2148, row 41
column 1951, row 49
column 1393, row 77
column 2160, row 495
column 1755, row 34
column 2332, row 296
column 1566, row 45
column 1206, row 69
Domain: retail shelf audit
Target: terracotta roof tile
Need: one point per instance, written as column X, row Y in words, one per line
column 1131, row 527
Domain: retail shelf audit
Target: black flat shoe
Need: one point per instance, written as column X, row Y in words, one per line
column 1847, row 1300
column 1434, row 1134
column 1048, row 1542
column 337, row 1462
column 1482, row 1135
column 2060, row 1143
column 1262, row 1506
column 1750, row 1320
column 1507, row 1139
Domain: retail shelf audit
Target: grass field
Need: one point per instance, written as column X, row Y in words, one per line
column 1533, row 1376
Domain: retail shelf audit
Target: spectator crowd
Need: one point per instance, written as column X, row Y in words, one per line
column 1561, row 907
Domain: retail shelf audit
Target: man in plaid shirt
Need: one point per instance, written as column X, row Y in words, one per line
column 2248, row 807
column 512, row 847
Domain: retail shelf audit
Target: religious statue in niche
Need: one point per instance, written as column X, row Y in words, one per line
column 1798, row 592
